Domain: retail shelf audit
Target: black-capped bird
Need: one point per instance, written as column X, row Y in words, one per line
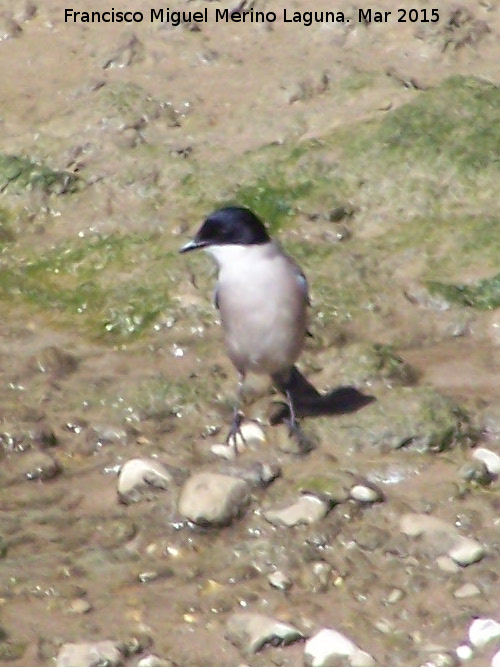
column 262, row 297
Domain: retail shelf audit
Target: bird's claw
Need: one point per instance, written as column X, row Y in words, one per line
column 294, row 431
column 235, row 431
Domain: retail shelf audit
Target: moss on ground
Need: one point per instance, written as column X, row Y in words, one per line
column 484, row 294
column 422, row 181
column 19, row 173
column 112, row 286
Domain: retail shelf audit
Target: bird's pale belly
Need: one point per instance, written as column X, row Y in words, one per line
column 264, row 336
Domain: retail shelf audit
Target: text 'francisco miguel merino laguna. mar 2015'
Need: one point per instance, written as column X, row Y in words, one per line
column 218, row 15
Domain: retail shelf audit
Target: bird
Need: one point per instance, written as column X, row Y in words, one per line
column 262, row 296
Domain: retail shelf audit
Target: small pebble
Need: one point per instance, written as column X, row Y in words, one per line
column 490, row 459
column 467, row 591
column 251, row 632
column 79, row 606
column 395, row 596
column 482, row 631
column 327, row 645
column 153, row 661
column 139, row 478
column 279, row 580
column 464, row 652
column 307, row 509
column 446, row 564
column 251, row 435
column 365, row 494
column 35, row 465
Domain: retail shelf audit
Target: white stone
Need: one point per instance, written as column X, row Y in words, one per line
column 466, row 591
column 89, row 655
column 490, row 459
column 464, row 652
column 251, row 433
column 482, row 631
column 495, row 661
column 137, row 476
column 447, row 564
column 365, row 494
column 153, row 661
column 361, row 659
column 307, row 509
column 466, row 551
column 328, row 644
column 325, row 644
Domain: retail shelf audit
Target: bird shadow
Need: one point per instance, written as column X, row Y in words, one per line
column 309, row 402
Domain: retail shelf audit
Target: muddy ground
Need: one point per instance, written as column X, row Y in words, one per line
column 373, row 151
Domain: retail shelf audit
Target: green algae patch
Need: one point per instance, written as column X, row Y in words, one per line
column 333, row 487
column 483, row 295
column 272, row 200
column 22, row 173
column 457, row 122
column 10, row 651
column 6, row 233
column 416, row 417
column 113, row 287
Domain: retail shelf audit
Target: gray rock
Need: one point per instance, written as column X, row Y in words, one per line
column 251, row 632
column 35, row 465
column 413, row 417
column 440, row 539
column 490, row 459
column 467, row 591
column 55, row 361
column 139, row 478
column 307, row 509
column 79, row 606
column 209, row 498
column 467, row 551
column 90, row 655
column 258, row 474
column 415, row 525
column 371, row 537
column 475, row 471
column 327, row 645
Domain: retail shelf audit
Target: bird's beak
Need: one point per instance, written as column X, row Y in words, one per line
column 192, row 245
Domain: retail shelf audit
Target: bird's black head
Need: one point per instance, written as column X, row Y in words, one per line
column 229, row 226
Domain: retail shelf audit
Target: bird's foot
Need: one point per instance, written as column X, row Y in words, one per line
column 235, row 431
column 294, row 431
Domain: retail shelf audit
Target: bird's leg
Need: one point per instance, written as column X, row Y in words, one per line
column 292, row 424
column 305, row 445
column 237, row 417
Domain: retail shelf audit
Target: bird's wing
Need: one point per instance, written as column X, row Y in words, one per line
column 302, row 280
